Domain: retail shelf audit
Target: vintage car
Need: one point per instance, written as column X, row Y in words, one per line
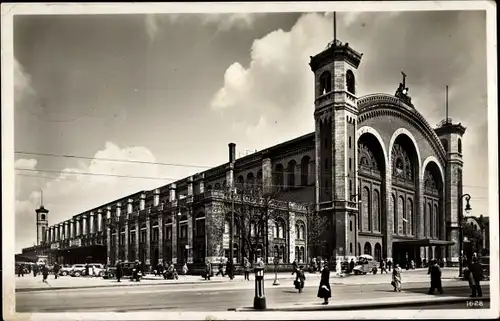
column 366, row 264
column 127, row 269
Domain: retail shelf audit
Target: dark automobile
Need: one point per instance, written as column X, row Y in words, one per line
column 127, row 270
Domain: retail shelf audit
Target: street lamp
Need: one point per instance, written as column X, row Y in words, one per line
column 461, row 232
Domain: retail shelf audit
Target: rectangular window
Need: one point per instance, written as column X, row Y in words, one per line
column 350, row 163
column 349, row 142
column 326, row 164
column 184, row 231
column 350, row 187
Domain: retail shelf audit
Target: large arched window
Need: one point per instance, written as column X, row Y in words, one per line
column 290, row 172
column 279, row 229
column 376, row 211
column 409, row 214
column 444, row 142
column 304, row 170
column 250, row 181
column 300, row 230
column 365, row 208
column 401, row 215
column 428, row 214
column 350, row 82
column 368, row 248
column 325, row 83
column 240, row 182
column 378, row 252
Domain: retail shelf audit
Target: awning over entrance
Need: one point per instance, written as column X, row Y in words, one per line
column 424, row 242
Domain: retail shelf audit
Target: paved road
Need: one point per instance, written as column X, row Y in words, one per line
column 203, row 297
column 462, row 305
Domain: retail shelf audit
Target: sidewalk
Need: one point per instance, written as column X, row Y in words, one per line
column 372, row 303
column 30, row 283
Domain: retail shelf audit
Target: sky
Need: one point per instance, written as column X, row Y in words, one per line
column 177, row 88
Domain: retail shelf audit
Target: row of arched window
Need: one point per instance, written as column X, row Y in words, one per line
column 402, row 214
column 370, row 218
column 282, row 177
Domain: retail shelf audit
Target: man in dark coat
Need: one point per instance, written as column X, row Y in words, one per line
column 119, row 271
column 351, row 266
column 56, row 270
column 45, row 273
column 435, row 272
column 475, row 275
column 208, row 270
column 35, row 269
column 324, row 291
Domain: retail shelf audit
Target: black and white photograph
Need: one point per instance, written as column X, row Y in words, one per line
column 318, row 160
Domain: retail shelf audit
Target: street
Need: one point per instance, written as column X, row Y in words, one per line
column 208, row 297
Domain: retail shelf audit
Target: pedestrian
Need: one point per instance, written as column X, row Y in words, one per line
column 324, row 291
column 35, row 270
column 247, row 266
column 87, row 267
column 294, row 266
column 383, row 267
column 230, row 269
column 185, row 269
column 208, row 270
column 45, row 273
column 475, row 275
column 435, row 278
column 119, row 271
column 220, row 269
column 389, row 265
column 20, row 270
column 300, row 279
column 56, row 270
column 396, row 278
column 351, row 265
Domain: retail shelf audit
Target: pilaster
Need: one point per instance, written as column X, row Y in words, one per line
column 72, row 228
column 84, row 224
column 137, row 235
column 92, row 223
column 99, row 220
column 78, row 229
column 126, row 243
column 147, row 246
column 160, row 238
column 267, row 176
column 291, row 236
column 190, row 235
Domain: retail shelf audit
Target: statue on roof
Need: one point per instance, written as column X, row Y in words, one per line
column 402, row 91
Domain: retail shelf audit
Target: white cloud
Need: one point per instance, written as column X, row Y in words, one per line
column 276, row 88
column 71, row 193
column 22, row 82
column 223, row 21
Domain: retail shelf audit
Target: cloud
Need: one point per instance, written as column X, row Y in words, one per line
column 223, row 21
column 275, row 90
column 22, row 82
column 70, row 192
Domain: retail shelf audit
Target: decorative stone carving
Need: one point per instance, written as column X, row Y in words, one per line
column 402, row 167
column 430, row 185
column 366, row 158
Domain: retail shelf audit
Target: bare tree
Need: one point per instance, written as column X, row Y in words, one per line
column 317, row 227
column 253, row 209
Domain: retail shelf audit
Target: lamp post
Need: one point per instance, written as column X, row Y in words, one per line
column 461, row 232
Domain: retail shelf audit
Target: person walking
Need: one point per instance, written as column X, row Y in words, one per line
column 56, row 270
column 300, row 279
column 475, row 274
column 185, row 269
column 435, row 278
column 35, row 270
column 119, row 271
column 351, row 266
column 324, row 291
column 247, row 266
column 220, row 269
column 383, row 267
column 230, row 269
column 208, row 270
column 45, row 273
column 294, row 266
column 396, row 278
column 389, row 265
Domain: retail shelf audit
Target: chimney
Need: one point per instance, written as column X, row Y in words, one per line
column 232, row 152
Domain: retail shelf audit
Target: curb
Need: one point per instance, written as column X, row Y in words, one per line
column 201, row 281
column 364, row 305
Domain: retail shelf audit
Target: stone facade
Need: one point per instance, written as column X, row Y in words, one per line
column 386, row 183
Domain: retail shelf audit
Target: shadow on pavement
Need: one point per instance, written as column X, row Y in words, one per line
column 460, row 291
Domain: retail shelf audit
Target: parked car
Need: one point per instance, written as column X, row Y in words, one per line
column 79, row 269
column 366, row 264
column 65, row 270
column 127, row 268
